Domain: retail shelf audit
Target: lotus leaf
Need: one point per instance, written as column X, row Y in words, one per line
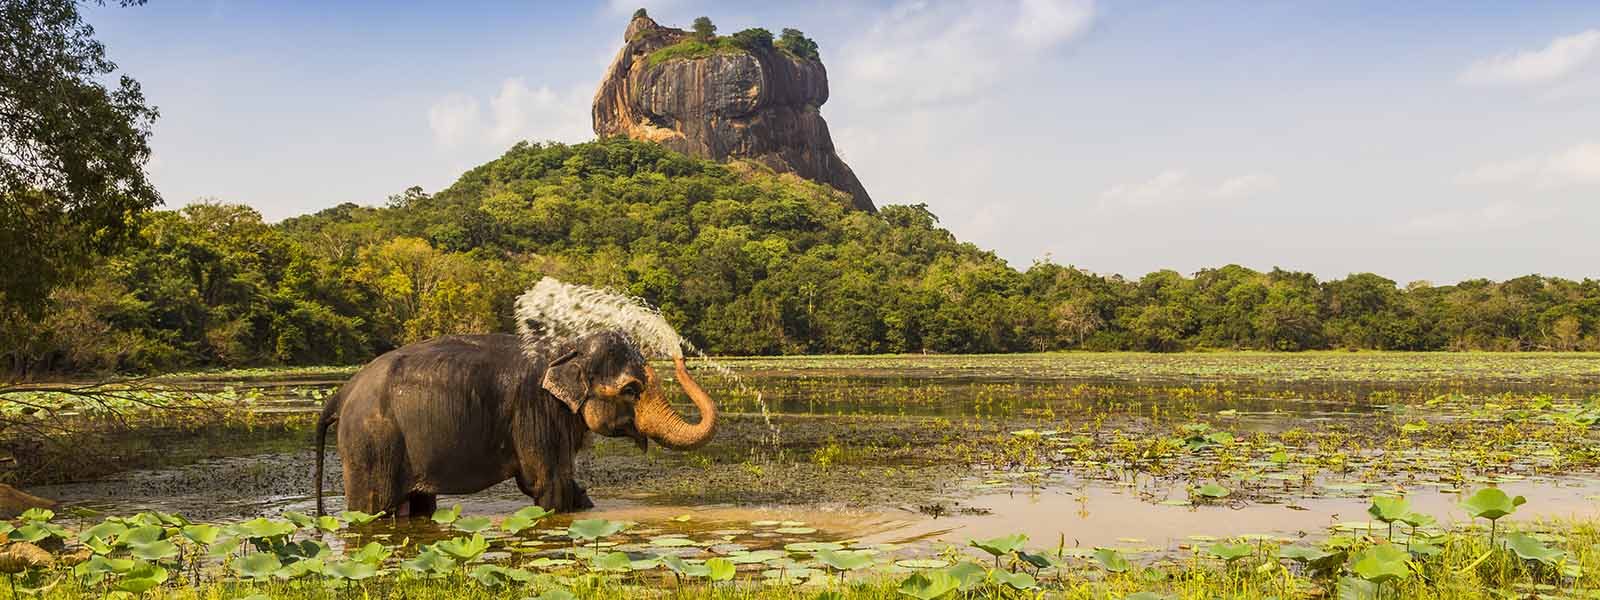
column 446, row 516
column 593, row 529
column 929, row 585
column 1382, row 563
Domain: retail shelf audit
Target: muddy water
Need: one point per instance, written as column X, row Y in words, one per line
column 1096, row 516
column 1078, row 513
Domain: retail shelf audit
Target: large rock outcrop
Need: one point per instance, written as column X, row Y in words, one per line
column 761, row 104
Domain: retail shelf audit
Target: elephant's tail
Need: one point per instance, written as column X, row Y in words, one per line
column 330, row 416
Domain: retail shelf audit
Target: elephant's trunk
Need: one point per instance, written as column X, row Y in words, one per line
column 656, row 419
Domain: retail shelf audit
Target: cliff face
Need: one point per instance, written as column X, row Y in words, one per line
column 761, row 104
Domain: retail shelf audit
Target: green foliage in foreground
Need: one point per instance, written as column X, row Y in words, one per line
column 740, row 260
column 166, row 556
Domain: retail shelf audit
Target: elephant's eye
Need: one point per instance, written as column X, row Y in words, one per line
column 633, row 389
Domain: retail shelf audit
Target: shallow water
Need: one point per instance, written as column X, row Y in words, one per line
column 1100, row 516
column 1075, row 512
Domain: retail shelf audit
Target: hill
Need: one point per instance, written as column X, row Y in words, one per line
column 743, row 260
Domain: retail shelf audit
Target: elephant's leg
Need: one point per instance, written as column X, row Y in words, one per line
column 552, row 488
column 375, row 477
column 580, row 497
column 422, row 504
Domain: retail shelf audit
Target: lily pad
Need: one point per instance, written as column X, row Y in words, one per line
column 1492, row 503
column 1000, row 546
column 591, row 529
column 844, row 560
column 1528, row 548
column 929, row 585
column 1382, row 563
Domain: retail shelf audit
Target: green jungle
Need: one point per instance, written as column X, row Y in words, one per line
column 747, row 262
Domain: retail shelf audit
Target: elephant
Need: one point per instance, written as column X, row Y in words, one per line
column 458, row 414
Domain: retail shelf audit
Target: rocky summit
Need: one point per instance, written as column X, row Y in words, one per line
column 733, row 97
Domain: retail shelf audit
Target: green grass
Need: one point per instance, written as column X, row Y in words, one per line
column 693, row 48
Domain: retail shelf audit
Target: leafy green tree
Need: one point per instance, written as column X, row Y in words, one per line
column 1160, row 328
column 795, row 42
column 704, row 30
column 72, row 156
column 1287, row 319
column 754, row 38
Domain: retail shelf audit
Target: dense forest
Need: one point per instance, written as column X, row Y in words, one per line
column 743, row 261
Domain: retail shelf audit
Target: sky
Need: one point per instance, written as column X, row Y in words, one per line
column 1425, row 140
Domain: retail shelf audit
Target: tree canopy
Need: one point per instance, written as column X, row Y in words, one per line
column 742, row 260
column 795, row 42
column 72, row 150
column 72, row 155
column 704, row 29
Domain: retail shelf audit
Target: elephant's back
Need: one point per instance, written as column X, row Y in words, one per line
column 456, row 361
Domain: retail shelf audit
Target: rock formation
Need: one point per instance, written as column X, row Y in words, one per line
column 752, row 102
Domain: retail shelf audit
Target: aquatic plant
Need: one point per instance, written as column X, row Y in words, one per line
column 523, row 519
column 1529, row 548
column 929, row 585
column 1492, row 504
column 1381, row 564
column 1389, row 509
column 1001, row 546
column 1230, row 552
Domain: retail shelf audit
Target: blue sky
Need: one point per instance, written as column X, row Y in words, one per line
column 1418, row 140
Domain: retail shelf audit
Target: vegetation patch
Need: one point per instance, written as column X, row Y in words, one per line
column 694, row 48
column 530, row 554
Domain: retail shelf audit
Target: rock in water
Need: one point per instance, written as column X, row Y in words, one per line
column 758, row 103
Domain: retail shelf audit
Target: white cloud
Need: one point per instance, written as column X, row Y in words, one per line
column 1577, row 165
column 516, row 112
column 1244, row 186
column 1175, row 185
column 1489, row 217
column 453, row 118
column 1048, row 22
column 1167, row 186
column 919, row 53
column 1558, row 59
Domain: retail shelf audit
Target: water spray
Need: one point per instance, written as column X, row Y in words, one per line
column 553, row 312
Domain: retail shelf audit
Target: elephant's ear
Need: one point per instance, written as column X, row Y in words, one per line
column 565, row 380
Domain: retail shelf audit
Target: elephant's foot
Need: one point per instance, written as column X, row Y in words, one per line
column 419, row 504
column 580, row 498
